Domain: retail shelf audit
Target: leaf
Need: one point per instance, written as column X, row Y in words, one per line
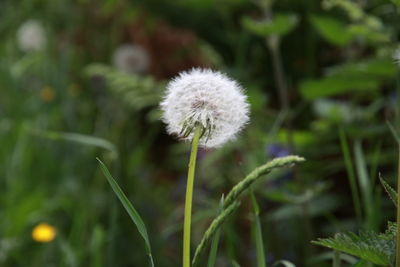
column 370, row 34
column 382, row 68
column 331, row 29
column 331, row 86
column 394, row 132
column 137, row 220
column 389, row 190
column 137, row 92
column 280, row 25
column 376, row 248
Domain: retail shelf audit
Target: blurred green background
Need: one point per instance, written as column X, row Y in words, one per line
column 81, row 79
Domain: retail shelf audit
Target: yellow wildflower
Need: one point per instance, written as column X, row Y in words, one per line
column 47, row 94
column 43, row 233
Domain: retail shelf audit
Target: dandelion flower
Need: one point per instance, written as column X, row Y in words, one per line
column 208, row 98
column 43, row 233
column 31, row 36
column 47, row 94
column 131, row 59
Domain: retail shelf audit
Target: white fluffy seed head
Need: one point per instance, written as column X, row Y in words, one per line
column 208, row 98
column 131, row 59
column 31, row 36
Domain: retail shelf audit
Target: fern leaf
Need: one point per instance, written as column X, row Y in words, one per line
column 137, row 92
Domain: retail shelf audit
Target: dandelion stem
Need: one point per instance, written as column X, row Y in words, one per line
column 189, row 197
column 398, row 215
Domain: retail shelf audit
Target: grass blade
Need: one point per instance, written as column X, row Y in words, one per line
column 350, row 174
column 137, row 220
column 366, row 186
column 214, row 243
column 244, row 184
column 258, row 233
column 394, row 132
column 79, row 138
column 210, row 232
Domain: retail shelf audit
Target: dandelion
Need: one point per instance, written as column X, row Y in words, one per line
column 208, row 109
column 43, row 233
column 47, row 94
column 131, row 59
column 31, row 36
column 206, row 98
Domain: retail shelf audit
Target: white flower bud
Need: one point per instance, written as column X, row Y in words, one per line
column 208, row 98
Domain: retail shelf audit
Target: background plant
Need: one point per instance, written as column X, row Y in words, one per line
column 342, row 87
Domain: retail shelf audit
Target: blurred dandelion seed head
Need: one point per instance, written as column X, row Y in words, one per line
column 131, row 59
column 31, row 36
column 43, row 233
column 208, row 98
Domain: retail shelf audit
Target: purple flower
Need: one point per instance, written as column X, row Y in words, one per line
column 277, row 151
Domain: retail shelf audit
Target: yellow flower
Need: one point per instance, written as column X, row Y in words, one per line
column 43, row 233
column 47, row 94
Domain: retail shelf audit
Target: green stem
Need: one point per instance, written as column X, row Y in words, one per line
column 189, row 197
column 398, row 215
column 336, row 259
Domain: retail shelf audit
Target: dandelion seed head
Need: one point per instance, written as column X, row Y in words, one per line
column 208, row 98
column 31, row 36
column 131, row 59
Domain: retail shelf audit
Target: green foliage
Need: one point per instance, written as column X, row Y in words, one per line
column 396, row 2
column 376, row 248
column 332, row 29
column 257, row 233
column 212, row 230
column 389, row 190
column 280, row 25
column 80, row 139
column 256, row 174
column 135, row 91
column 231, row 202
column 212, row 257
column 364, row 76
column 137, row 220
